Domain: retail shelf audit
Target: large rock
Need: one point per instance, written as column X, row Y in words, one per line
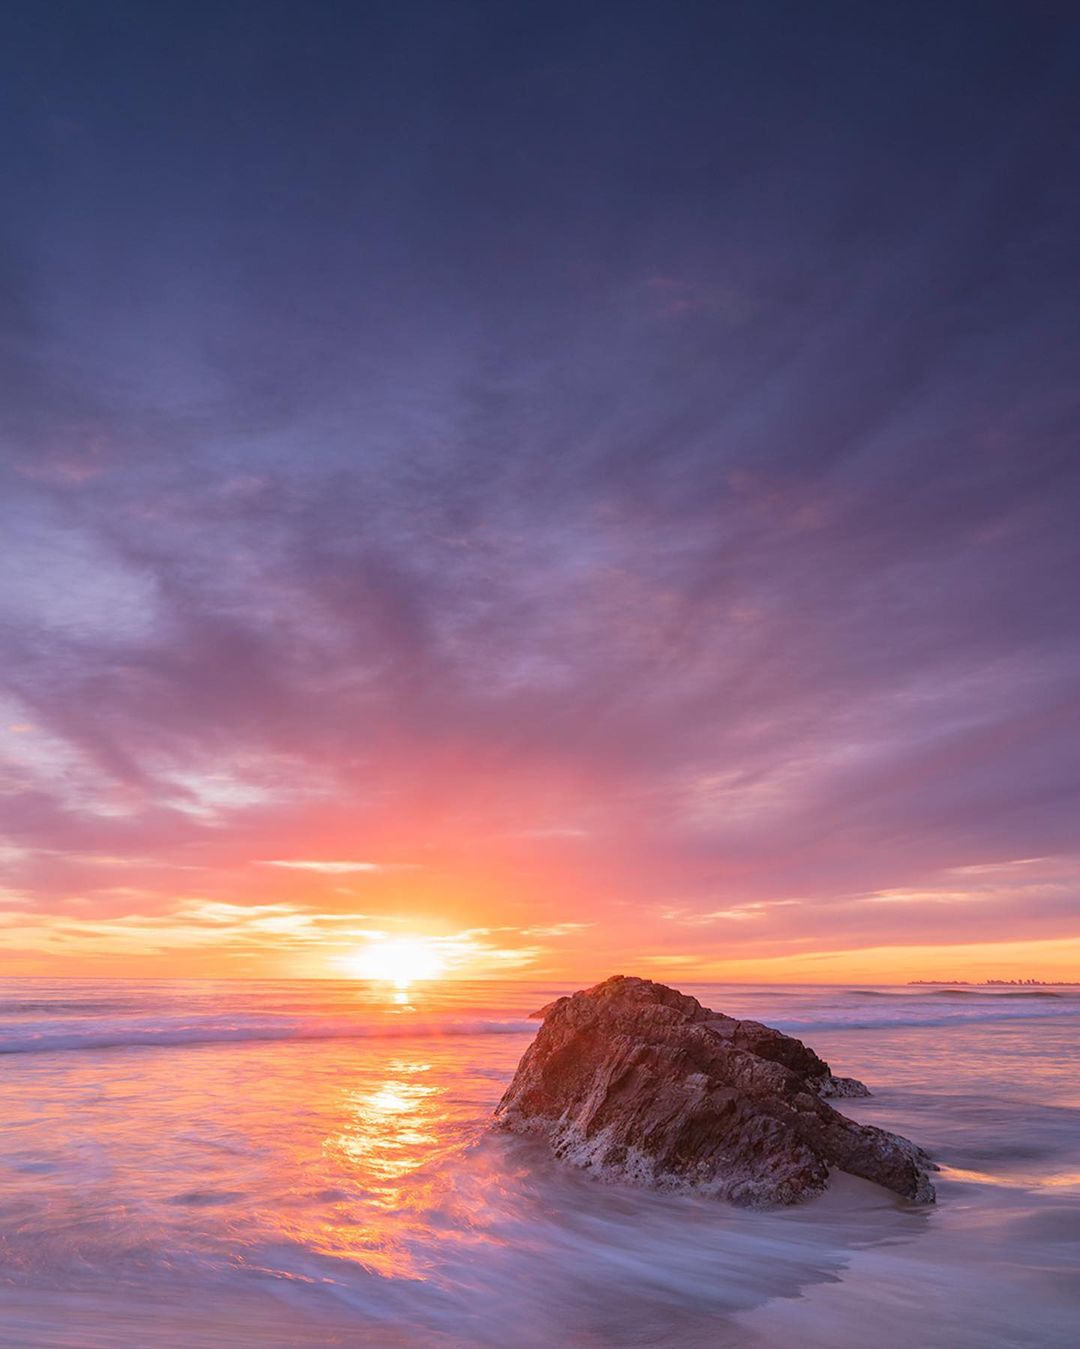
column 634, row 1081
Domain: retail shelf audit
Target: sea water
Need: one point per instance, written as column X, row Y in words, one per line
column 309, row 1163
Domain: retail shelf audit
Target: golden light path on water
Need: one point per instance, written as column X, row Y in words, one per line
column 385, row 1140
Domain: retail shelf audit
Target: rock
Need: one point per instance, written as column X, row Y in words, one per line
column 842, row 1086
column 634, row 1081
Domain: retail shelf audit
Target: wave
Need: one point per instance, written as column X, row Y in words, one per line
column 973, row 993
column 1021, row 995
column 164, row 1033
column 32, row 1040
column 894, row 1019
column 62, row 1007
column 951, row 993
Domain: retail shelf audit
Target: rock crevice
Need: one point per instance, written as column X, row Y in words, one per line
column 635, row 1081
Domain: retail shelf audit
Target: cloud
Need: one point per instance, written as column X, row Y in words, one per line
column 299, row 939
column 555, row 831
column 335, row 868
column 556, row 930
column 705, row 502
column 736, row 913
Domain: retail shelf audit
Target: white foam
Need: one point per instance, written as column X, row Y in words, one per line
column 51, row 1036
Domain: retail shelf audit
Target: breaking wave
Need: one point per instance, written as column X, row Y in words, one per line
column 932, row 1016
column 953, row 993
column 36, row 1039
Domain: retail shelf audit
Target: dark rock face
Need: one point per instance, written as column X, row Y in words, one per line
column 634, row 1081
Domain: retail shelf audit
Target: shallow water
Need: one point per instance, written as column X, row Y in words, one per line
column 308, row 1163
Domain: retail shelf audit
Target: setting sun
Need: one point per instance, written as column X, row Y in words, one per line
column 401, row 961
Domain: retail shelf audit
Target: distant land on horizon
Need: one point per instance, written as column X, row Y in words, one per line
column 999, row 983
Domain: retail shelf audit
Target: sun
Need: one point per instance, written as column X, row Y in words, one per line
column 401, row 961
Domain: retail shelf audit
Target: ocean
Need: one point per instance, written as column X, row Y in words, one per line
column 309, row 1163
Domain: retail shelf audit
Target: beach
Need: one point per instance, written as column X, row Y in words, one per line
column 310, row 1162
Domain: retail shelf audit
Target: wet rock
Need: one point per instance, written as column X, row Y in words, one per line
column 634, row 1081
column 841, row 1086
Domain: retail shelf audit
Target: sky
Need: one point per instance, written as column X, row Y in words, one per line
column 592, row 488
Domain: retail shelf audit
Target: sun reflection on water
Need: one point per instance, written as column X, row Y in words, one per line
column 392, row 1130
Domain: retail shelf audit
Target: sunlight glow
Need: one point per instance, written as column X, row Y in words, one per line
column 400, row 961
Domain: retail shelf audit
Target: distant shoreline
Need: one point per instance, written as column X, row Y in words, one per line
column 995, row 983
